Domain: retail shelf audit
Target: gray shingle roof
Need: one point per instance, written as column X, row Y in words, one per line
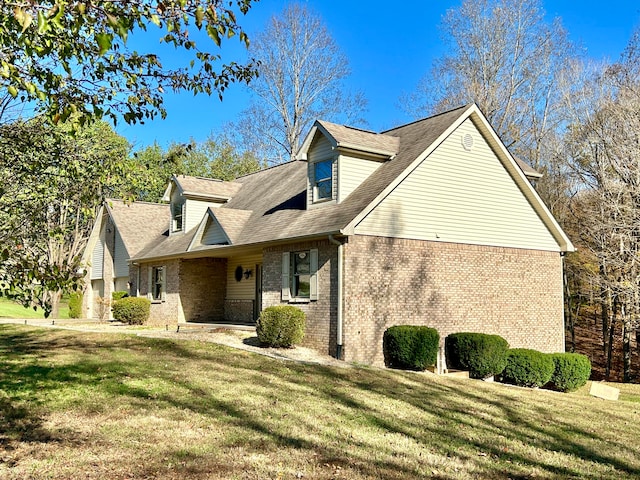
column 276, row 197
column 198, row 186
column 349, row 137
column 139, row 223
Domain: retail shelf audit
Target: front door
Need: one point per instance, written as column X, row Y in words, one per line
column 257, row 306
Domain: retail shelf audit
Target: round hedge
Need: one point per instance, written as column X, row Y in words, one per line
column 481, row 354
column 280, row 326
column 131, row 310
column 410, row 347
column 571, row 371
column 528, row 368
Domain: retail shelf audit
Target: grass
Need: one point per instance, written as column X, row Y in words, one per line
column 11, row 309
column 87, row 405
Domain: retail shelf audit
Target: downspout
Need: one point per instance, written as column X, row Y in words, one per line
column 340, row 308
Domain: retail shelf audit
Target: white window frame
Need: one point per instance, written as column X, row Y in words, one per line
column 288, row 277
column 316, row 181
column 177, row 220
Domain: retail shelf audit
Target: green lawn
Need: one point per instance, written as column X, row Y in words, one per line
column 10, row 309
column 94, row 406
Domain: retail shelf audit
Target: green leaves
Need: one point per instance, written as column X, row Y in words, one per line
column 88, row 40
column 104, row 41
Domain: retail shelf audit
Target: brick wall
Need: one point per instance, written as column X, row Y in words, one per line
column 239, row 311
column 451, row 287
column 169, row 311
column 204, row 283
column 321, row 314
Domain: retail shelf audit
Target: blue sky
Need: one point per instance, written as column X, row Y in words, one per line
column 390, row 46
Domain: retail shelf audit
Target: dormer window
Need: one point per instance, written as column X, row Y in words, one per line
column 323, row 180
column 177, row 215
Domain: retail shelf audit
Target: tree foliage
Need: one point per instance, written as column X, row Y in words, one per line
column 603, row 147
column 507, row 58
column 301, row 72
column 216, row 157
column 72, row 58
column 53, row 184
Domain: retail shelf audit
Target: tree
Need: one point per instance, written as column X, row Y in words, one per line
column 71, row 57
column 604, row 147
column 214, row 158
column 301, row 72
column 54, row 183
column 505, row 57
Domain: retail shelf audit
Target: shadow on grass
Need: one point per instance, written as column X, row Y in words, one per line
column 456, row 420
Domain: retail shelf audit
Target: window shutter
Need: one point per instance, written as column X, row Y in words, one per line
column 150, row 283
column 286, row 293
column 313, row 280
column 163, row 291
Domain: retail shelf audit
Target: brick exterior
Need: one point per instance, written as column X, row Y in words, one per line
column 168, row 311
column 204, row 284
column 239, row 311
column 451, row 287
column 321, row 314
column 194, row 290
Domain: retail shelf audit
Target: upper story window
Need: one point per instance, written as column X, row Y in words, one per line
column 177, row 216
column 322, row 180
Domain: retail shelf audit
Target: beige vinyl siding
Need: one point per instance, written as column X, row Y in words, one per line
column 213, row 234
column 120, row 258
column 460, row 196
column 319, row 151
column 352, row 172
column 245, row 289
column 194, row 212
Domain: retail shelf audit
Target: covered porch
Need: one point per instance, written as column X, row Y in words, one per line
column 223, row 290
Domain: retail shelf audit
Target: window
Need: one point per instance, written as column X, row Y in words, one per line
column 176, row 216
column 322, row 180
column 299, row 275
column 156, row 284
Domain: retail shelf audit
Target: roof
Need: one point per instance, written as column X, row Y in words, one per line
column 526, row 168
column 356, row 139
column 202, row 187
column 270, row 205
column 139, row 223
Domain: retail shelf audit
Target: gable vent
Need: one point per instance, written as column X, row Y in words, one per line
column 467, row 142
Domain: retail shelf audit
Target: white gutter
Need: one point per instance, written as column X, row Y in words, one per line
column 339, row 326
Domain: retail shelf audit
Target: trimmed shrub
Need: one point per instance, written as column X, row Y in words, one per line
column 572, row 370
column 410, row 347
column 131, row 310
column 280, row 326
column 527, row 368
column 75, row 305
column 115, row 296
column 481, row 354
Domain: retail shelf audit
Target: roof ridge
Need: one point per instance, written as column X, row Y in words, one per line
column 135, row 201
column 363, row 130
column 270, row 167
column 429, row 117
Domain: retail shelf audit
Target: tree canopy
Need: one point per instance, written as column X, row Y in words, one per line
column 301, row 71
column 71, row 57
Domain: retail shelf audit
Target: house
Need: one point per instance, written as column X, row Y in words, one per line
column 431, row 223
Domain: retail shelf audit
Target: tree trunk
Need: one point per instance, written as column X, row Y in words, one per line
column 55, row 304
column 609, row 347
column 626, row 349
